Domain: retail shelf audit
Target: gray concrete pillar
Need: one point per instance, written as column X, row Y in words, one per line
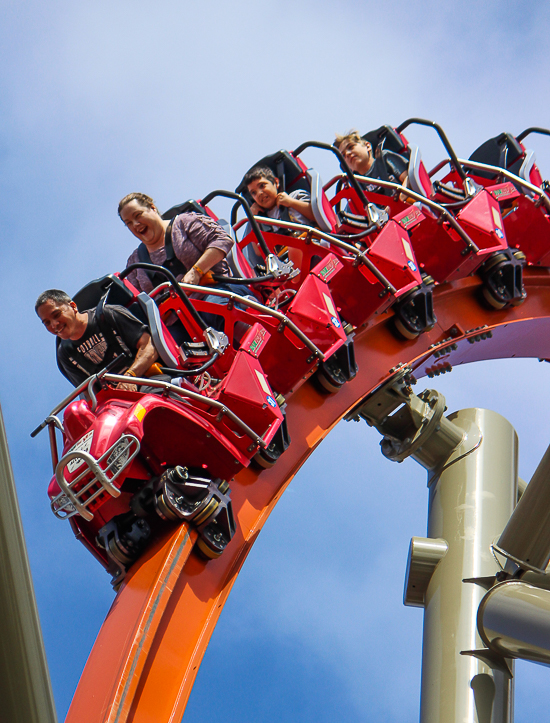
column 25, row 690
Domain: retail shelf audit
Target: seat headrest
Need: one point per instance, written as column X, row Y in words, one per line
column 109, row 286
column 502, row 151
column 188, row 206
column 387, row 138
column 286, row 168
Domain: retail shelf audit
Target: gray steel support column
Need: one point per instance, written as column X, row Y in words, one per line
column 25, row 690
column 472, row 495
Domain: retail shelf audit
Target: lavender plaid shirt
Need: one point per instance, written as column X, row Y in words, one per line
column 192, row 234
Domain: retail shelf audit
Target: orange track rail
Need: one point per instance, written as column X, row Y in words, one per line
column 146, row 656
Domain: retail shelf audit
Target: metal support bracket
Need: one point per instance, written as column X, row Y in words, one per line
column 492, row 659
column 425, row 554
column 412, row 425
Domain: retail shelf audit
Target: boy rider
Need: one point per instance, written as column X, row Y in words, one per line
column 388, row 166
column 263, row 186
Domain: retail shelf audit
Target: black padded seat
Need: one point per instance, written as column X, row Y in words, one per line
column 286, row 168
column 503, row 151
column 387, row 138
column 110, row 287
column 187, row 207
column 292, row 177
column 108, row 290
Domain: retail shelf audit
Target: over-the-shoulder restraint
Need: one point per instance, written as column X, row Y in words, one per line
column 172, row 263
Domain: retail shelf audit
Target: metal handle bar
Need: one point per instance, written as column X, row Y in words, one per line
column 241, row 201
column 534, row 129
column 222, row 409
column 106, row 483
column 512, row 176
column 343, row 164
column 174, row 283
column 335, row 239
column 427, row 202
column 329, row 184
column 441, row 133
column 68, row 399
column 368, row 229
column 264, row 309
column 247, row 301
column 84, row 387
column 439, row 166
column 340, row 244
column 242, row 281
column 56, row 422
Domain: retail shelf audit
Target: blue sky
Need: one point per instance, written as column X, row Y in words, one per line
column 102, row 98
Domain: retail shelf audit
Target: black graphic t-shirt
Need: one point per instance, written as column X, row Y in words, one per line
column 388, row 168
column 77, row 360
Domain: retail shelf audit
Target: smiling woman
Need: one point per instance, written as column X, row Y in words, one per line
column 141, row 217
column 190, row 245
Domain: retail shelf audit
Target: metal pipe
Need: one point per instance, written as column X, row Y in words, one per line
column 241, row 201
column 186, row 394
column 427, row 202
column 514, row 621
column 526, row 538
column 511, row 176
column 25, row 689
column 442, row 135
column 174, row 283
column 62, row 404
column 336, row 242
column 343, row 164
column 247, row 301
column 533, row 129
column 471, row 498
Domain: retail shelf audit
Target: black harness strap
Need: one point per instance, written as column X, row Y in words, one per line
column 172, row 263
column 283, row 216
column 280, row 168
column 383, row 174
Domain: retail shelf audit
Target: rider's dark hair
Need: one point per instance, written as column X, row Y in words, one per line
column 55, row 295
column 142, row 198
column 254, row 174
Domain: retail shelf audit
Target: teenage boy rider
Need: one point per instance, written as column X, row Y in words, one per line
column 263, row 186
column 358, row 155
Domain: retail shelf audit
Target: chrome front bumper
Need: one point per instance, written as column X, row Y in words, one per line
column 71, row 501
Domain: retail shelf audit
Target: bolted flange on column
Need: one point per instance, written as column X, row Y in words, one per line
column 411, row 425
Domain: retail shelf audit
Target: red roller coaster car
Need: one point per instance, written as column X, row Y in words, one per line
column 169, row 450
column 455, row 225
